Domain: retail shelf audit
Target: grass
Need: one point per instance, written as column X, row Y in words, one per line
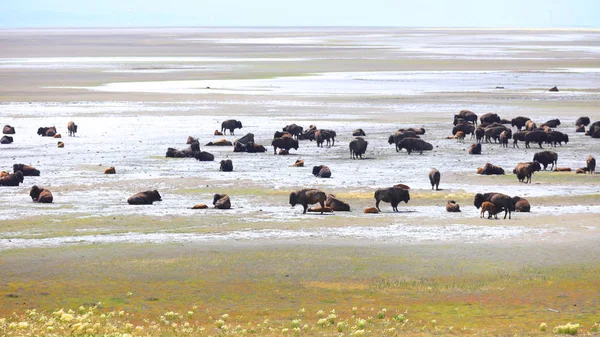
column 412, row 290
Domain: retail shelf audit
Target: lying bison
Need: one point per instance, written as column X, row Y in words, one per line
column 226, row 165
column 434, row 179
column 204, row 156
column 47, row 131
column 546, row 158
column 308, row 196
column 452, row 206
column 41, row 195
column 231, row 125
column 144, row 198
column 358, row 147
column 475, row 148
column 519, row 122
column 321, row 171
column 392, row 195
column 336, row 204
column 521, row 205
column 503, row 201
column 13, row 179
column 359, row 133
column 26, row 169
column 8, row 130
column 72, row 127
column 249, row 147
column 285, row 143
column 491, row 169
column 552, row 123
column 221, row 201
column 414, row 144
column 6, row 140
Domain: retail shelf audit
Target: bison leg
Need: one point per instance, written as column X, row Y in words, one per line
column 377, row 204
column 274, row 149
column 540, row 144
column 305, row 207
column 322, row 206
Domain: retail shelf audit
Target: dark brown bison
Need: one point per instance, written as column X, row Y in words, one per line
column 6, row 140
column 13, row 179
column 358, row 147
column 490, row 118
column 282, row 134
column 594, row 130
column 392, row 195
column 546, row 158
column 535, row 137
column 585, row 121
column 553, row 89
column 217, row 133
column 250, row 147
column 466, row 115
column 8, row 130
column 221, row 201
column 308, row 196
column 493, row 132
column 519, row 136
column 284, row 143
column 191, row 140
column 293, row 129
column 41, row 195
column 47, row 131
column 26, row 169
column 321, row 171
column 434, row 179
column 144, row 198
column 61, row 145
column 519, row 122
column 359, row 133
column 521, row 205
column 231, row 125
column 503, row 201
column 414, row 144
column 308, row 133
column 204, row 156
column 226, row 165
column 524, row 171
column 325, row 135
column 189, row 152
column 466, row 128
column 72, row 127
column 553, row 123
column 452, row 206
column 490, row 169
column 475, row 148
column 336, row 204
column 247, row 138
column 556, row 137
column 591, row 164
column 399, row 136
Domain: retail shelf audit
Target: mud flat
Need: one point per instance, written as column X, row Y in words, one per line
column 134, row 93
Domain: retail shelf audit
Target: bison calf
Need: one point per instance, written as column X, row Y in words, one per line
column 489, row 207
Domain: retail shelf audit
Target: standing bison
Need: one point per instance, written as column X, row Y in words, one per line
column 519, row 122
column 434, row 179
column 285, row 143
column 546, row 158
column 72, row 127
column 503, row 201
column 358, row 147
column 47, row 131
column 392, row 195
column 308, row 196
column 591, row 164
column 524, row 171
column 465, row 115
column 144, row 198
column 6, row 140
column 414, row 144
column 41, row 195
column 231, row 125
column 535, row 137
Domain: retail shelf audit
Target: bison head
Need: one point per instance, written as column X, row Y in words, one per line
column 35, row 192
column 238, row 124
column 216, row 197
column 316, row 170
column 41, row 131
column 479, row 199
column 406, row 196
column 155, row 196
column 391, row 139
column 293, row 199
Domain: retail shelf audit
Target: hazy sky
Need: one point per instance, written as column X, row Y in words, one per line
column 404, row 13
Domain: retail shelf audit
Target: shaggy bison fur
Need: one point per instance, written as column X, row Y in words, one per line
column 72, row 127
column 524, row 171
column 452, row 206
column 521, row 205
column 285, row 143
column 336, row 204
column 41, row 195
column 591, row 164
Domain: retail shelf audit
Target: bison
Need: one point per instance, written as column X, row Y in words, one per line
column 336, row 204
column 489, row 207
column 72, row 127
column 535, row 137
column 110, row 170
column 284, row 143
column 6, row 140
column 144, row 198
column 8, row 130
column 526, row 170
column 546, row 158
column 41, row 195
column 294, row 130
column 556, row 137
column 591, row 164
column 13, row 179
column 521, row 205
column 321, row 171
column 466, row 128
column 585, row 121
column 490, row 169
column 490, row 118
column 553, row 123
column 503, row 201
column 359, row 133
column 282, row 134
column 191, row 140
column 452, row 206
column 519, row 122
column 204, row 156
column 308, row 196
column 466, row 115
column 392, row 195
column 399, row 136
column 226, row 165
column 26, row 169
column 358, row 147
column 434, row 179
column 47, row 131
column 231, row 125
column 414, row 144
column 221, row 201
column 475, row 148
column 479, row 134
column 325, row 135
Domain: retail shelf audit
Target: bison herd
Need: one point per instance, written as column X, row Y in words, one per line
column 491, row 128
